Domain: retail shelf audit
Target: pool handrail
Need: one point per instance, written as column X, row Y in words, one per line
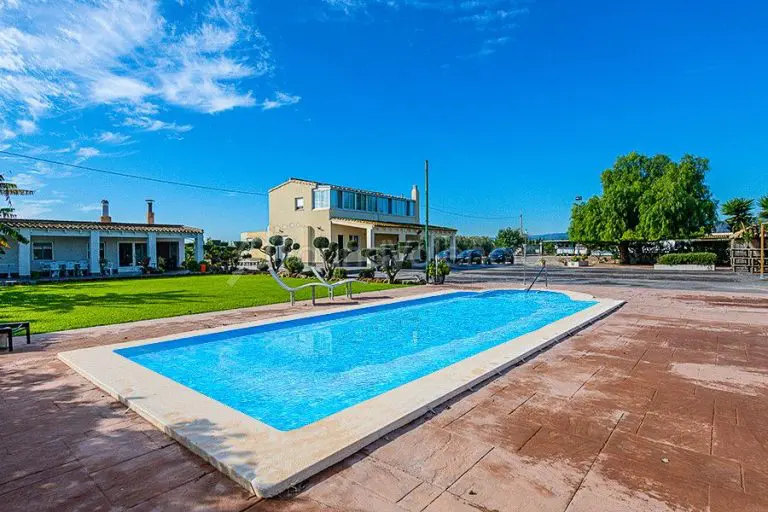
column 292, row 290
column 347, row 283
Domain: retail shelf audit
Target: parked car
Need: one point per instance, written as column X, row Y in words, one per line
column 502, row 255
column 444, row 255
column 470, row 256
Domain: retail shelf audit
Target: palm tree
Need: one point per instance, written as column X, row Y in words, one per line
column 738, row 213
column 7, row 233
column 763, row 202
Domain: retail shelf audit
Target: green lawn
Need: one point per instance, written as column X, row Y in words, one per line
column 56, row 307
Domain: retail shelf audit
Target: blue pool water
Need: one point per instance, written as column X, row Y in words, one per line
column 293, row 373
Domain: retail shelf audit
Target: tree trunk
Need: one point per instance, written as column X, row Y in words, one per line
column 624, row 253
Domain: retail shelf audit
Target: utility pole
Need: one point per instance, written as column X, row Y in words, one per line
column 426, row 213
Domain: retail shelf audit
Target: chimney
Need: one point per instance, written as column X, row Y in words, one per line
column 105, row 218
column 150, row 213
column 415, row 197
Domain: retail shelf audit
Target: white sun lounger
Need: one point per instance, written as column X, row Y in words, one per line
column 292, row 291
column 347, row 283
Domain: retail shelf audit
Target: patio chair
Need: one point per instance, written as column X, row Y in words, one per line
column 53, row 269
column 292, row 291
column 346, row 283
column 9, row 329
column 69, row 269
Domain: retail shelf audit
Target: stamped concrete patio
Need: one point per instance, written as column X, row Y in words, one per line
column 661, row 406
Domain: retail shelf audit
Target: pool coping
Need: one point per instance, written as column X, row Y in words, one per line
column 267, row 461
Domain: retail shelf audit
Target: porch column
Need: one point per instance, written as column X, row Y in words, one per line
column 199, row 250
column 93, row 256
column 25, row 254
column 182, row 253
column 152, row 249
column 370, row 242
column 453, row 247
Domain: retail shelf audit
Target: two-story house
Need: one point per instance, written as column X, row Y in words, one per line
column 304, row 210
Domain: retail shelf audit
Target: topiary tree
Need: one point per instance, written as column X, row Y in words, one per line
column 389, row 258
column 278, row 249
column 333, row 256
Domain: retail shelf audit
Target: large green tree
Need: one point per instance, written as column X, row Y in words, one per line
column 738, row 213
column 646, row 198
column 8, row 190
column 509, row 237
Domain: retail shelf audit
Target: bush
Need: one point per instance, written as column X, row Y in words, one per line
column 293, row 264
column 688, row 258
column 192, row 265
column 339, row 273
column 366, row 273
column 407, row 264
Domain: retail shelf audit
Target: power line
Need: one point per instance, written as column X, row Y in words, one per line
column 481, row 217
column 134, row 176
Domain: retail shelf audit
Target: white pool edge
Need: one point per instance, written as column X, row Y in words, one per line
column 267, row 461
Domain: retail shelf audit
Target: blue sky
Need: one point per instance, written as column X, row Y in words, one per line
column 518, row 104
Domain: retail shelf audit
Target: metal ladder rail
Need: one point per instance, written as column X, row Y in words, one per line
column 543, row 269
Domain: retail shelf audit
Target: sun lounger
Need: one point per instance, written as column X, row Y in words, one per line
column 292, row 291
column 9, row 329
column 346, row 283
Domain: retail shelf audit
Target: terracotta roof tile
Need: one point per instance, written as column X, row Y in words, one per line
column 100, row 226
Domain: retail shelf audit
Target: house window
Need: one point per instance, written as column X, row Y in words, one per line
column 102, row 251
column 42, row 251
column 321, row 198
column 298, row 203
column 141, row 252
column 340, row 239
column 355, row 238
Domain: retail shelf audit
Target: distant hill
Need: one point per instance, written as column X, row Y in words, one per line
column 549, row 236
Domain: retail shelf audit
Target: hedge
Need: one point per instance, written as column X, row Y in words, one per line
column 688, row 258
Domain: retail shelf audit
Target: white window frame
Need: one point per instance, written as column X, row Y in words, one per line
column 298, row 203
column 34, row 258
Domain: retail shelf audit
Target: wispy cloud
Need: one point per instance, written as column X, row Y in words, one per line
column 86, row 208
column 31, row 208
column 281, row 100
column 155, row 125
column 84, row 154
column 113, row 138
column 74, row 54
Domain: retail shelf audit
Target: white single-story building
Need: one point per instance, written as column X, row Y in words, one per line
column 58, row 247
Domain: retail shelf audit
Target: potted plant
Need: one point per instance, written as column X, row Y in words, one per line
column 579, row 261
column 438, row 271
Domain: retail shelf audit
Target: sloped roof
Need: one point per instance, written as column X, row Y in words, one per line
column 98, row 226
column 387, row 224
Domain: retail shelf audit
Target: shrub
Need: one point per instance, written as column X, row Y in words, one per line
column 192, row 265
column 293, row 264
column 339, row 273
column 689, row 258
column 366, row 273
column 441, row 269
column 407, row 264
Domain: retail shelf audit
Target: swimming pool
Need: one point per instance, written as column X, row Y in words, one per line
column 293, row 373
column 271, row 403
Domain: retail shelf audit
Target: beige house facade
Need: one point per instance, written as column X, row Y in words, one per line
column 305, row 210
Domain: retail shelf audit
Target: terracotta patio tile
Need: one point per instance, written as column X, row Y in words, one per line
column 680, row 463
column 126, row 484
column 212, row 492
column 435, row 455
column 45, row 474
column 419, row 498
column 615, row 484
column 577, row 417
column 447, row 502
column 489, row 425
column 72, row 491
column 551, row 445
column 343, row 494
column 740, row 443
column 32, row 459
column 383, row 479
column 679, row 431
column 724, row 500
column 292, row 504
column 670, row 401
column 755, row 482
column 506, row 481
column 99, row 452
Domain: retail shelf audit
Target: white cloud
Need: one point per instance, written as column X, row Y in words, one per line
column 31, row 208
column 86, row 208
column 281, row 100
column 56, row 56
column 113, row 138
column 26, row 126
column 155, row 125
column 6, row 134
column 86, row 153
